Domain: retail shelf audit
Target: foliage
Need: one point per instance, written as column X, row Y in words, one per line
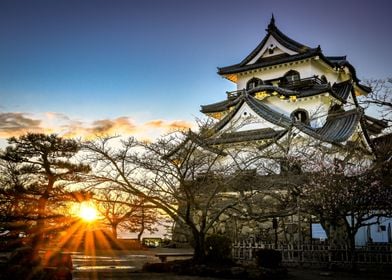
column 348, row 199
column 218, row 248
column 268, row 258
column 36, row 169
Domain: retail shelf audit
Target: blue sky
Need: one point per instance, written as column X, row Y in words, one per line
column 143, row 66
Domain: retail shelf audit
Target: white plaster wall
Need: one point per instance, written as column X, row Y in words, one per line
column 320, row 68
column 317, row 107
column 273, row 72
column 307, row 68
column 247, row 119
column 361, row 238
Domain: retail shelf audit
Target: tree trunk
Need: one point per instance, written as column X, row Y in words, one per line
column 40, row 227
column 142, row 226
column 139, row 236
column 351, row 236
column 114, row 230
column 199, row 246
column 353, row 253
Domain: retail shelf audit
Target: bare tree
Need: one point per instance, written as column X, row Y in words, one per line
column 189, row 181
column 380, row 97
column 346, row 195
column 125, row 211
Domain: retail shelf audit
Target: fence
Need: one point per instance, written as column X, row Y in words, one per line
column 317, row 254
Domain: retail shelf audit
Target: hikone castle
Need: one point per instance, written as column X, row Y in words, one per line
column 283, row 83
column 285, row 88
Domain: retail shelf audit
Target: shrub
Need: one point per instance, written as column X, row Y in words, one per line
column 268, row 258
column 218, row 248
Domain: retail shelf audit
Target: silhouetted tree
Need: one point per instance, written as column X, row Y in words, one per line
column 125, row 211
column 39, row 168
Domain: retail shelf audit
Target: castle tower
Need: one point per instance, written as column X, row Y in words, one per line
column 283, row 84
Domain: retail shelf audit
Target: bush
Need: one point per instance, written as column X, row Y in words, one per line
column 218, row 248
column 268, row 258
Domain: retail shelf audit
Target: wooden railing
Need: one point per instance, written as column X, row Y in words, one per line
column 316, row 254
column 306, row 82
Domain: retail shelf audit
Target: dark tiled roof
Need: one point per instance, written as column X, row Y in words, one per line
column 281, row 38
column 341, row 61
column 336, row 59
column 219, row 106
column 364, row 88
column 219, row 125
column 303, row 52
column 374, row 126
column 338, row 128
column 195, row 138
column 267, row 113
column 260, row 108
column 237, row 68
column 342, row 89
column 244, row 136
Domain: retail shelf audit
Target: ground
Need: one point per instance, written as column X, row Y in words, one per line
column 114, row 260
column 127, row 264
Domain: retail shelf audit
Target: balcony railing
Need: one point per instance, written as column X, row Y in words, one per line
column 302, row 83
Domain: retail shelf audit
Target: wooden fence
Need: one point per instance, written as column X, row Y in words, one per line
column 317, row 254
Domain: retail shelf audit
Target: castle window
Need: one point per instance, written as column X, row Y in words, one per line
column 291, row 76
column 271, row 49
column 300, row 115
column 254, row 82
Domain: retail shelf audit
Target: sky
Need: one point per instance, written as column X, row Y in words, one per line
column 144, row 67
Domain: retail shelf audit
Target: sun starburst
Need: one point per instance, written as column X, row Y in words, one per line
column 88, row 212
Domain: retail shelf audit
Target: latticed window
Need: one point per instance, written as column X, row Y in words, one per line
column 254, row 82
column 292, row 76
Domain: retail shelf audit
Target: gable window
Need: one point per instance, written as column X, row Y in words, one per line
column 253, row 83
column 300, row 115
column 291, row 76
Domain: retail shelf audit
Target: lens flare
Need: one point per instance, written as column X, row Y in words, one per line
column 88, row 212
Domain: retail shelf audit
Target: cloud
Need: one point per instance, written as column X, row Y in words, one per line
column 121, row 125
column 172, row 125
column 16, row 124
column 54, row 115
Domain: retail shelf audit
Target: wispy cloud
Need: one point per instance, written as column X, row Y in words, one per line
column 15, row 124
column 169, row 125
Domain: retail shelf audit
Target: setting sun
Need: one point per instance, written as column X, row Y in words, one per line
column 87, row 212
